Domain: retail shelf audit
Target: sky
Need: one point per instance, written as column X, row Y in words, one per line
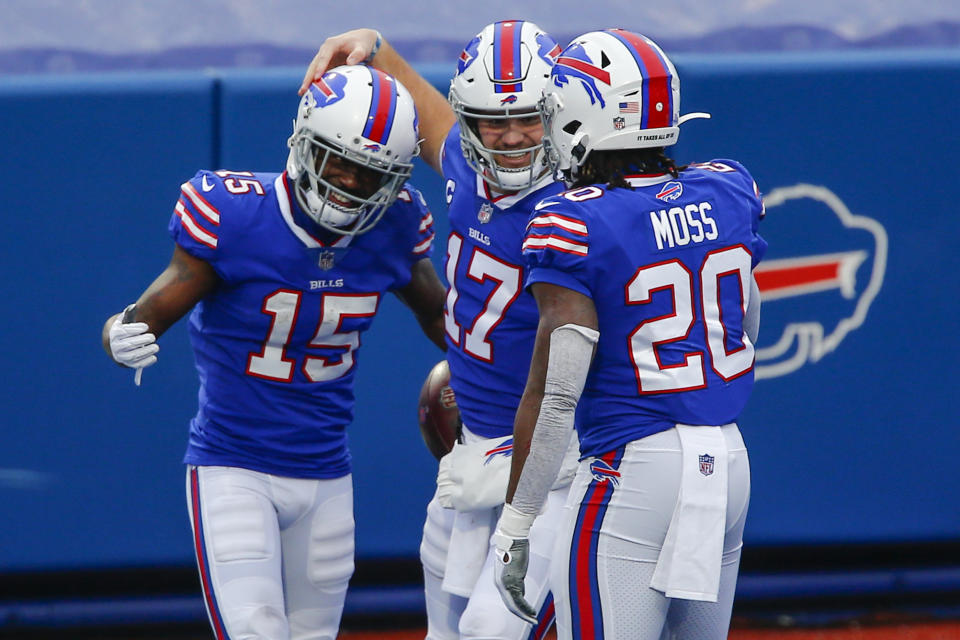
column 117, row 26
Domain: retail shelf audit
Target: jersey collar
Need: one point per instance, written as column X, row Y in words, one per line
column 507, row 200
column 290, row 210
column 646, row 179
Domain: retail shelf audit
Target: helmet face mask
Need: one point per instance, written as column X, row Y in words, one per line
column 352, row 148
column 493, row 163
column 337, row 208
column 500, row 76
column 609, row 90
column 548, row 106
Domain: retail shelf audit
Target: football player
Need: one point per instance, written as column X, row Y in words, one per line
column 649, row 311
column 486, row 141
column 283, row 273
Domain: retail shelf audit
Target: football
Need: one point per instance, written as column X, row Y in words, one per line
column 437, row 412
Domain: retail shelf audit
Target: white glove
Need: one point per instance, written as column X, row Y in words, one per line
column 513, row 554
column 474, row 476
column 131, row 345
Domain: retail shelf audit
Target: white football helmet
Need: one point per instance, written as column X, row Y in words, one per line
column 361, row 119
column 608, row 90
column 501, row 74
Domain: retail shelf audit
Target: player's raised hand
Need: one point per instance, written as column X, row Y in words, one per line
column 350, row 47
column 131, row 344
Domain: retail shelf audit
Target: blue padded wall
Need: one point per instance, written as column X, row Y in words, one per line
column 852, row 428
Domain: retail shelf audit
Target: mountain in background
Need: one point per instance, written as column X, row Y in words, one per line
column 60, row 36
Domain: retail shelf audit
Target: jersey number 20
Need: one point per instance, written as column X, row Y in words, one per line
column 722, row 267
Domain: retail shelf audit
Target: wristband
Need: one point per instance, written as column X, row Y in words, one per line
column 514, row 523
column 376, row 48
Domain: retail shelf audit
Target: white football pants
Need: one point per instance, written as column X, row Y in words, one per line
column 274, row 554
column 613, row 527
column 482, row 615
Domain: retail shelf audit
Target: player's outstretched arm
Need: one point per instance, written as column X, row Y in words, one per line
column 184, row 282
column 355, row 47
column 558, row 307
column 566, row 336
column 424, row 294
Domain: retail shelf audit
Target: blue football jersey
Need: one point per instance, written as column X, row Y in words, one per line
column 276, row 343
column 668, row 266
column 491, row 321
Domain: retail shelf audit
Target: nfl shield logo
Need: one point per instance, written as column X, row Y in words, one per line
column 706, row 464
column 618, row 123
column 485, row 213
column 327, row 260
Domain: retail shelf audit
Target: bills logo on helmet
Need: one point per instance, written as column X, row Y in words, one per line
column 577, row 65
column 468, row 55
column 328, row 89
column 372, row 147
column 670, row 191
column 602, row 472
column 820, row 286
column 509, row 100
column 706, row 464
column 504, row 449
column 547, row 48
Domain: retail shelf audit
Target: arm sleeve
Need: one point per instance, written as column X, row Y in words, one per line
column 571, row 350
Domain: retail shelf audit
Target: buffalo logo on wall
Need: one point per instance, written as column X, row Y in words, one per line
column 822, row 273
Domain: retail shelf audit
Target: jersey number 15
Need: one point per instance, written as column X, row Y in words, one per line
column 273, row 363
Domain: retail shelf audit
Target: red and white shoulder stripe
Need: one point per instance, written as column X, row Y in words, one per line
column 427, row 234
column 558, row 233
column 556, row 220
column 199, row 202
column 426, row 222
column 197, row 216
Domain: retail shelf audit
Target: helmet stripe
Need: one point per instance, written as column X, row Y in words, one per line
column 383, row 107
column 506, row 54
column 656, row 80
